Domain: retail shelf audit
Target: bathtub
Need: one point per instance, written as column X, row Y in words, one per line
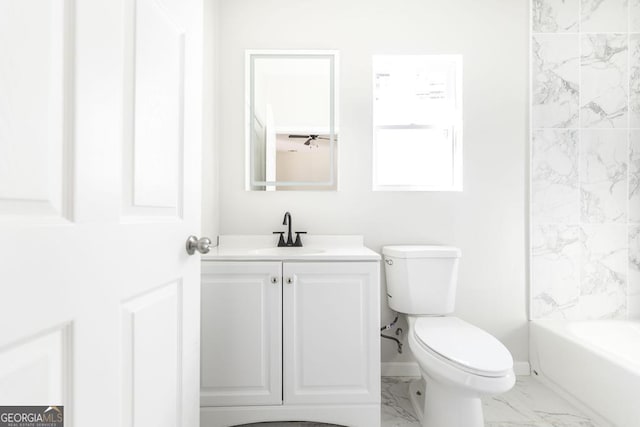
column 596, row 363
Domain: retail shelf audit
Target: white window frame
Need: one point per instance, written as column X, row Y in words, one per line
column 455, row 125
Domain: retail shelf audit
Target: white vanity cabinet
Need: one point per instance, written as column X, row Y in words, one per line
column 331, row 336
column 290, row 340
column 241, row 334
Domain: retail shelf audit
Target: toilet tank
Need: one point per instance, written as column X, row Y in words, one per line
column 421, row 280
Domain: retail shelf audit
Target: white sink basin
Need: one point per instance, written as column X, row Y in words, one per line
column 288, row 251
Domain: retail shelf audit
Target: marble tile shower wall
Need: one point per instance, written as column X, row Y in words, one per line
column 585, row 159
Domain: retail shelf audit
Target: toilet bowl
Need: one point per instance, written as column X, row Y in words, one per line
column 459, row 363
column 455, row 377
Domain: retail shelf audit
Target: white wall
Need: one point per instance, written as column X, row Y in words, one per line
column 486, row 220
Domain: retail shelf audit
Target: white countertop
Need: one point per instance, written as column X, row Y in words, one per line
column 315, row 248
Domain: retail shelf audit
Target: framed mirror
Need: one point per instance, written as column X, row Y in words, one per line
column 291, row 120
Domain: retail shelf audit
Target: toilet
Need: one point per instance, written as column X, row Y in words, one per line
column 459, row 363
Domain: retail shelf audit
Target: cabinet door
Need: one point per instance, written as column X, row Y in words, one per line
column 331, row 332
column 241, row 353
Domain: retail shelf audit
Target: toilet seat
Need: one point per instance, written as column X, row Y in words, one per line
column 463, row 345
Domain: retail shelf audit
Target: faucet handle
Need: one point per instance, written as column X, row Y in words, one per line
column 281, row 242
column 298, row 242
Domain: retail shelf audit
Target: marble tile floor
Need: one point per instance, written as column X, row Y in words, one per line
column 528, row 404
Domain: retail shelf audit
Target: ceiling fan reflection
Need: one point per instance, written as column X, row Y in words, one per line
column 310, row 139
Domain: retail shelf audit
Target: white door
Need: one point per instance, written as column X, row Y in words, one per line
column 331, row 343
column 100, row 134
column 241, row 333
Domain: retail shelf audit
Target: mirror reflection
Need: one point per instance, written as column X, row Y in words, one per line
column 291, row 120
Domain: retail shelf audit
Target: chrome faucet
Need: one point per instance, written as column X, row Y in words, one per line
column 289, row 242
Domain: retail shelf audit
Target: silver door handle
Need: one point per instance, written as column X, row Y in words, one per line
column 201, row 245
column 274, row 280
column 289, row 280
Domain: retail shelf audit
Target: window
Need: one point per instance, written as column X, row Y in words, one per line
column 417, row 122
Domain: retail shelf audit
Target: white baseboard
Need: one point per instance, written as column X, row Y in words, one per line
column 521, row 368
column 400, row 369
column 410, row 369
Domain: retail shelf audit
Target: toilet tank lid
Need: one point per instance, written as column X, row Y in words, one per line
column 421, row 251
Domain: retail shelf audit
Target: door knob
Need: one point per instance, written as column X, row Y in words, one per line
column 201, row 245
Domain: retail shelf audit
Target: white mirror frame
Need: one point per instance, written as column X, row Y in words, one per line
column 250, row 57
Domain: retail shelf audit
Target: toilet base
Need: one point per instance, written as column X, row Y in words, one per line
column 438, row 406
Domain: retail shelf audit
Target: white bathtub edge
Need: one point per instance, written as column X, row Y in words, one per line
column 598, row 385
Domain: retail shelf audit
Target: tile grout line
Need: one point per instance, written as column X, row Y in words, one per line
column 579, row 163
column 626, row 289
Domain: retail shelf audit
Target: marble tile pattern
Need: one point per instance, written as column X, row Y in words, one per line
column 634, row 16
column 555, row 191
column 603, row 277
column 555, row 90
column 603, row 175
column 634, row 176
column 603, row 16
column 555, row 264
column 633, row 289
column 604, row 81
column 555, row 16
column 634, row 80
column 528, row 404
column 585, row 163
